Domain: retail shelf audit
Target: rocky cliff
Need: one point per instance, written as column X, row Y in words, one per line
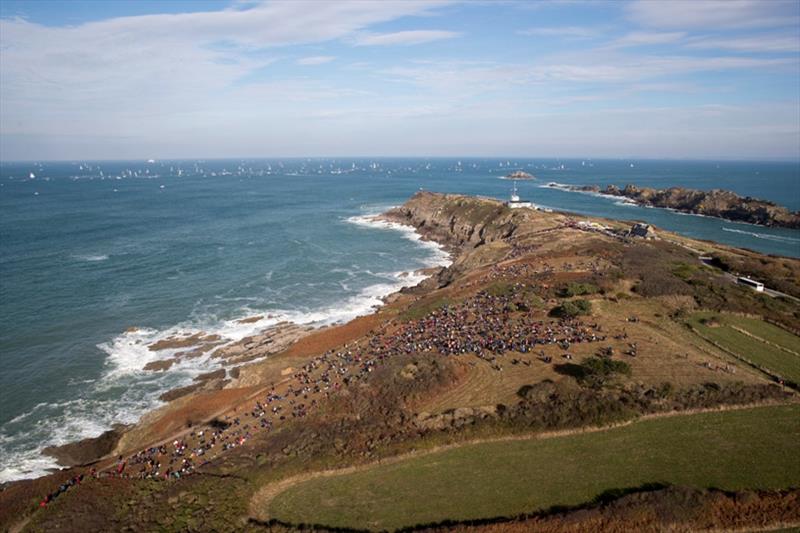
column 475, row 230
column 715, row 203
column 456, row 221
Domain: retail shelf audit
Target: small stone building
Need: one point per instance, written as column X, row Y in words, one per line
column 642, row 230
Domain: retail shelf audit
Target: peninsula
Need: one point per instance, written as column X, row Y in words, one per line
column 561, row 373
column 715, row 203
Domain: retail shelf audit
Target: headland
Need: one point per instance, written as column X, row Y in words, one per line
column 715, row 203
column 546, row 326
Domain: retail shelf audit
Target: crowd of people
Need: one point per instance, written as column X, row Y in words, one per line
column 485, row 325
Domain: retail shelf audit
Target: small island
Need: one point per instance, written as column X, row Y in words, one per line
column 715, row 203
column 519, row 175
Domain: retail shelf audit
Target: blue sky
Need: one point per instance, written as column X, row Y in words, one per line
column 566, row 78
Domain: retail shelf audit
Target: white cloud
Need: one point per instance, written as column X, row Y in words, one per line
column 403, row 37
column 315, row 60
column 598, row 67
column 647, row 38
column 98, row 76
column 757, row 43
column 569, row 32
column 715, row 14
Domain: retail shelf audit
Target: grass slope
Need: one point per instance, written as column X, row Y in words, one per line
column 780, row 361
column 752, row 448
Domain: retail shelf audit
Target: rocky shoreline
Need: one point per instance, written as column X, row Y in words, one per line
column 714, row 203
column 270, row 341
column 291, row 400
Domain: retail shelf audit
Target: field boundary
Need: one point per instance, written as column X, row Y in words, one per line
column 260, row 501
column 775, row 377
column 765, row 341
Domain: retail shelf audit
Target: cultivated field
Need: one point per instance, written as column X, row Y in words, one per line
column 732, row 450
column 755, row 340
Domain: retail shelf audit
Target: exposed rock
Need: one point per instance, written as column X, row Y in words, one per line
column 715, row 203
column 520, row 175
column 250, row 319
column 161, row 365
column 179, row 392
column 208, row 376
column 183, row 342
column 87, row 450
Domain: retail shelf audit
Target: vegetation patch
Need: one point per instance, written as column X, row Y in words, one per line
column 597, row 371
column 501, row 288
column 572, row 309
column 579, row 289
column 731, row 450
column 754, row 340
column 423, row 308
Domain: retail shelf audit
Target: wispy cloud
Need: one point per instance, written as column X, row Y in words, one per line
column 757, row 43
column 207, row 83
column 647, row 38
column 163, row 63
column 315, row 60
column 403, row 37
column 568, row 32
column 715, row 14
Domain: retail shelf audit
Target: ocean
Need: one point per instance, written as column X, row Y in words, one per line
column 89, row 250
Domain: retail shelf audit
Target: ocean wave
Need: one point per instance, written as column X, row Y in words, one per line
column 618, row 200
column 766, row 236
column 438, row 256
column 556, row 185
column 91, row 258
column 125, row 391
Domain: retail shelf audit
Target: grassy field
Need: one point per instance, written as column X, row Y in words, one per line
column 753, row 448
column 784, row 362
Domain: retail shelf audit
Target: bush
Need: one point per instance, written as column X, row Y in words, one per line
column 572, row 309
column 579, row 289
column 596, row 371
column 500, row 288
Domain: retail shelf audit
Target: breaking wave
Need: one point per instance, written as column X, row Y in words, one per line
column 125, row 390
column 766, row 236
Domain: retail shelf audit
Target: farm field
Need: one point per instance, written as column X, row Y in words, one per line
column 780, row 353
column 731, row 450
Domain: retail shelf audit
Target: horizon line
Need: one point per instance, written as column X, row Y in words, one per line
column 787, row 159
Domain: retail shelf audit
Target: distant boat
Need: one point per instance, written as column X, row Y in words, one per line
column 151, row 160
column 32, row 175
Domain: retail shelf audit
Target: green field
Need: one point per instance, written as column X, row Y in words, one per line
column 780, row 362
column 753, row 448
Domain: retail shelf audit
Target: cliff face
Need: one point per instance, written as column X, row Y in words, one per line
column 715, row 203
column 456, row 221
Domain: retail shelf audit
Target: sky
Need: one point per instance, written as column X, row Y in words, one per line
column 686, row 79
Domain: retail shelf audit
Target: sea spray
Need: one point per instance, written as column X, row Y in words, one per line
column 125, row 391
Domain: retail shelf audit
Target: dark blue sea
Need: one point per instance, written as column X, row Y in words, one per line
column 90, row 249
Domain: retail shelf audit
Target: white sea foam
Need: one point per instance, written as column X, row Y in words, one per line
column 438, row 256
column 618, row 200
column 125, row 391
column 766, row 236
column 92, row 257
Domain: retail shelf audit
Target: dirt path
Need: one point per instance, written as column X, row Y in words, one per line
column 259, row 503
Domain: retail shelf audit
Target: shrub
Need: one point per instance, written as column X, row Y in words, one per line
column 572, row 309
column 500, row 288
column 596, row 371
column 579, row 289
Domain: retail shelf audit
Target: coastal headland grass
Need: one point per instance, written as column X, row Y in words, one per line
column 731, row 450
